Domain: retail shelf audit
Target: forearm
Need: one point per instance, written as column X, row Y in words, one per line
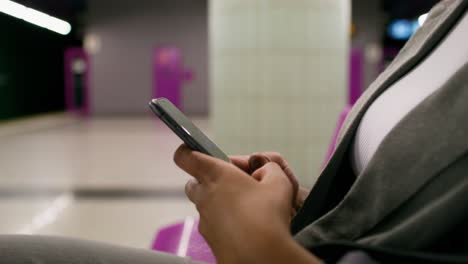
column 285, row 251
column 269, row 247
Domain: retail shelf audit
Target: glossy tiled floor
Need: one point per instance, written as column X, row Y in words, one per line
column 107, row 179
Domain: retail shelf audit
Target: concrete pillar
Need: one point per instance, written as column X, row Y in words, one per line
column 278, row 77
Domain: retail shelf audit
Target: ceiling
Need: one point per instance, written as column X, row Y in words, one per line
column 65, row 9
column 70, row 9
column 407, row 8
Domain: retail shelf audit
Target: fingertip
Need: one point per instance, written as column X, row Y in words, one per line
column 179, row 154
column 189, row 185
column 190, row 189
column 273, row 165
column 265, row 169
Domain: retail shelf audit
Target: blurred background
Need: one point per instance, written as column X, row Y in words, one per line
column 80, row 153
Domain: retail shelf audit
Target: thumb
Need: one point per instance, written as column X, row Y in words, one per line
column 270, row 172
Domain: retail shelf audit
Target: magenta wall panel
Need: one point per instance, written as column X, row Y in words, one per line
column 355, row 75
column 169, row 75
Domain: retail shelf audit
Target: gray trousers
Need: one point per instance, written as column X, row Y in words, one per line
column 20, row 249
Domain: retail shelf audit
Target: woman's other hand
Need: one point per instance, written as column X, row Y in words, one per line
column 250, row 163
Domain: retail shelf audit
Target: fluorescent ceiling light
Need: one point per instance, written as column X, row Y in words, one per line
column 422, row 19
column 35, row 17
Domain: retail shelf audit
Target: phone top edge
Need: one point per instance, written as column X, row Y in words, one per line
column 156, row 101
column 154, row 107
column 165, row 110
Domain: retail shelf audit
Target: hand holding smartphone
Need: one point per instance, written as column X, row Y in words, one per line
column 185, row 129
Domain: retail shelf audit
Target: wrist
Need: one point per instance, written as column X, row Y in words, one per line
column 276, row 250
column 249, row 242
column 269, row 246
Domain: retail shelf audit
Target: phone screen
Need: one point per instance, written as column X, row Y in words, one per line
column 185, row 129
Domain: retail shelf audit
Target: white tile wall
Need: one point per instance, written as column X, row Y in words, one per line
column 278, row 77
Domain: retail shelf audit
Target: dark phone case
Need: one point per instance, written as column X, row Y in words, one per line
column 185, row 129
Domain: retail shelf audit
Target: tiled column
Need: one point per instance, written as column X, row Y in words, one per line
column 278, row 77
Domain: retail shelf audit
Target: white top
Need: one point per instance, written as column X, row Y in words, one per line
column 400, row 98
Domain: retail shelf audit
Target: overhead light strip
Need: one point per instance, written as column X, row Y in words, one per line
column 35, row 17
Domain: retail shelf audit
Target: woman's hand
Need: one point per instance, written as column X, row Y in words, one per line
column 244, row 218
column 251, row 163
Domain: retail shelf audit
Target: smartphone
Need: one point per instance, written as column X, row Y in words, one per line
column 185, row 129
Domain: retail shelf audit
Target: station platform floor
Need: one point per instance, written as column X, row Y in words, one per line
column 109, row 179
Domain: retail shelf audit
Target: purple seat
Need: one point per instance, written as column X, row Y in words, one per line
column 183, row 239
